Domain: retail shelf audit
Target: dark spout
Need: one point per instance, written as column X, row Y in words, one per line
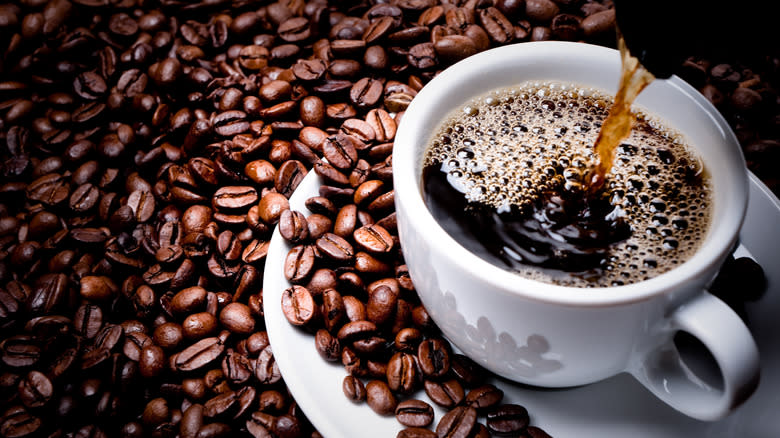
column 661, row 34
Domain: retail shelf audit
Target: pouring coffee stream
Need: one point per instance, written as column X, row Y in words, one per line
column 634, row 77
column 655, row 38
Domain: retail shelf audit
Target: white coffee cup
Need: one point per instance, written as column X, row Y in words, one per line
column 554, row 336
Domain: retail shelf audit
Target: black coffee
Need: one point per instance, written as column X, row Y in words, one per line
column 504, row 175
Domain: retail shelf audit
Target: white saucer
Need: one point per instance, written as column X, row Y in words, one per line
column 618, row 407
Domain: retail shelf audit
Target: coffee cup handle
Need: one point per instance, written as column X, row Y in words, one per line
column 722, row 332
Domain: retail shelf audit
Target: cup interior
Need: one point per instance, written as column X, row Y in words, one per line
column 675, row 102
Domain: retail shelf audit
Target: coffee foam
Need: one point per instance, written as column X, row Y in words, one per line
column 507, row 147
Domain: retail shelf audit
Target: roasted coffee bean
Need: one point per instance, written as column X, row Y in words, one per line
column 220, row 404
column 199, row 354
column 354, row 308
column 357, row 129
column 309, row 70
column 333, row 310
column 484, row 397
column 340, row 151
column 198, row 325
column 541, row 10
column 287, row 426
column 347, row 47
column 416, row 432
column 48, row 294
column 346, row 221
column 229, row 246
column 360, row 173
column 293, row 226
column 414, row 413
column 496, row 25
column 422, row 56
column 237, row 318
column 35, row 389
column 381, row 305
column 312, row 113
column 287, row 178
column 433, row 357
column 380, row 398
column 299, row 264
column 458, row 18
column 271, row 401
column 599, row 23
column 373, row 238
column 20, row 351
column 295, row 29
column 344, row 68
column 366, row 93
column 409, row 36
column 507, row 419
column 566, row 27
column 260, row 171
column 253, row 57
column 321, row 280
column 376, row 58
column 234, row 197
column 152, row 361
column 168, row 335
column 511, row 8
column 452, row 48
column 17, row 422
column 260, row 424
column 266, row 369
column 142, row 204
column 214, row 430
column 335, row 247
column 459, row 422
column 230, row 123
column 407, row 339
column 298, row 305
column 189, row 299
column 278, row 111
column 275, row 91
column 51, row 189
column 383, row 125
column 327, row 346
column 191, row 421
column 84, row 198
column 378, row 29
column 466, row 370
column 541, row 33
column 354, row 389
column 88, row 320
column 445, row 393
column 356, row 330
column 89, row 85
column 271, row 206
column 134, row 344
column 340, row 111
column 403, row 375
column 255, row 251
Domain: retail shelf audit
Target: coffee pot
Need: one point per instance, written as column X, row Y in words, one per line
column 662, row 34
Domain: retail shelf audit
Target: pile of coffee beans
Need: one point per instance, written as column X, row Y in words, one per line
column 352, row 291
column 147, row 150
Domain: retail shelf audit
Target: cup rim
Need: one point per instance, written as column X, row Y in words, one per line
column 408, row 193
